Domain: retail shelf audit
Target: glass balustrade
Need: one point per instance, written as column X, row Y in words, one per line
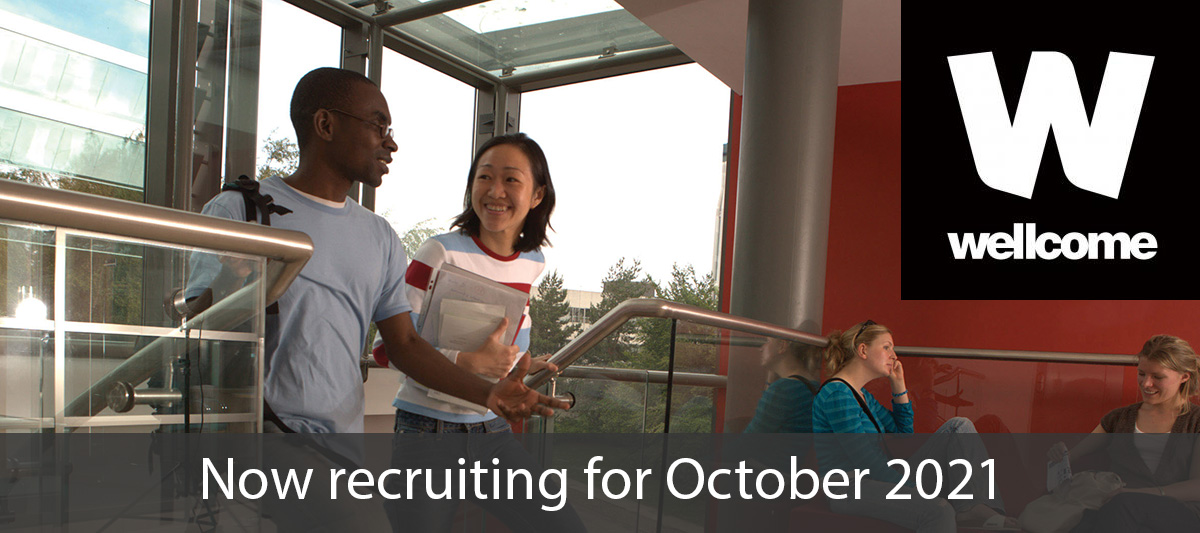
column 94, row 335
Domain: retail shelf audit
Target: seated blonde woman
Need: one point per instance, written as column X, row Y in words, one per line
column 861, row 354
column 1161, row 473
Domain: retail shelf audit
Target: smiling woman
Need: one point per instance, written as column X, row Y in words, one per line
column 1161, row 475
column 506, row 211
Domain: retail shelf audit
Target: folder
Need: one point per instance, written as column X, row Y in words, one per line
column 461, row 309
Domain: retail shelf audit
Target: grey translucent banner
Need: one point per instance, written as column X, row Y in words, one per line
column 419, row 482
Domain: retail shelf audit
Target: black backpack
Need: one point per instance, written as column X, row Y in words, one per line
column 256, row 202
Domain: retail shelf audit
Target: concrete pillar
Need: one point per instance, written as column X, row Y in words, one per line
column 784, row 176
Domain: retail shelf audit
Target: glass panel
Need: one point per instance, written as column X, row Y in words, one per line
column 104, row 281
column 92, row 356
column 432, row 114
column 128, row 351
column 519, row 36
column 218, row 376
column 603, row 406
column 26, row 271
column 73, row 82
column 25, row 360
column 214, row 363
column 692, row 409
column 1011, row 396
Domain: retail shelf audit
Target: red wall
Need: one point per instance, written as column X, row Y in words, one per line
column 863, row 281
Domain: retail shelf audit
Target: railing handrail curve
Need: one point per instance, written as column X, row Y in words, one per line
column 658, row 308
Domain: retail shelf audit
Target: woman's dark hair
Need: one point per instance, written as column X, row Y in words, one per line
column 533, row 234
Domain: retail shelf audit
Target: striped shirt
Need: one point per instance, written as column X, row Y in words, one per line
column 785, row 407
column 519, row 271
column 836, row 410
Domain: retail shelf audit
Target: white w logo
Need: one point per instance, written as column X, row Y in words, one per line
column 1007, row 155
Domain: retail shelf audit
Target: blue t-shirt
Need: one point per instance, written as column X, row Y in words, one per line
column 355, row 277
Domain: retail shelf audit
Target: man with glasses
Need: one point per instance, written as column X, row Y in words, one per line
column 313, row 380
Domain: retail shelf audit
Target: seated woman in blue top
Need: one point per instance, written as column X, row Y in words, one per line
column 861, row 354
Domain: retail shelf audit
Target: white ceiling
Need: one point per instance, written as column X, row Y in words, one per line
column 713, row 33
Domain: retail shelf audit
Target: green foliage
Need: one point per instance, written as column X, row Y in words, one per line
column 646, row 344
column 28, row 175
column 548, row 310
column 282, row 157
column 418, row 234
column 602, row 407
column 685, row 287
column 623, row 282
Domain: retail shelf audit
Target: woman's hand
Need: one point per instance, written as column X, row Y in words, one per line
column 540, row 363
column 493, row 359
column 1056, row 452
column 897, row 377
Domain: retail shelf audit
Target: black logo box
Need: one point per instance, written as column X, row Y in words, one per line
column 941, row 191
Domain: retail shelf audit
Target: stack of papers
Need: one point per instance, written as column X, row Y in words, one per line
column 461, row 309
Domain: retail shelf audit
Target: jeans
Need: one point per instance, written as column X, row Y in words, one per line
column 424, row 442
column 407, row 422
column 932, row 515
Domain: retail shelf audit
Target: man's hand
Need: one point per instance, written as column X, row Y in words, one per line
column 493, row 359
column 511, row 399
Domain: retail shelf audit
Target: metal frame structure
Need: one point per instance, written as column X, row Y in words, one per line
column 171, row 131
column 496, row 96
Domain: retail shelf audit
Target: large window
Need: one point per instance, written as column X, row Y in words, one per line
column 73, row 82
column 293, row 43
column 432, row 115
column 638, row 165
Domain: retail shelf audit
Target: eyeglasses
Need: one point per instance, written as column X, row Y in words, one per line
column 384, row 130
column 862, row 328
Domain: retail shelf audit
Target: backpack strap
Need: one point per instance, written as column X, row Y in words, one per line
column 861, row 403
column 270, row 416
column 256, row 202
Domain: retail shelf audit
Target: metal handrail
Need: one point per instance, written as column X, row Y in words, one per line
column 633, row 375
column 656, row 308
column 1020, row 355
column 68, row 209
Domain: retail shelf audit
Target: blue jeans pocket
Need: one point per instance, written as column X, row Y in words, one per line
column 497, row 425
